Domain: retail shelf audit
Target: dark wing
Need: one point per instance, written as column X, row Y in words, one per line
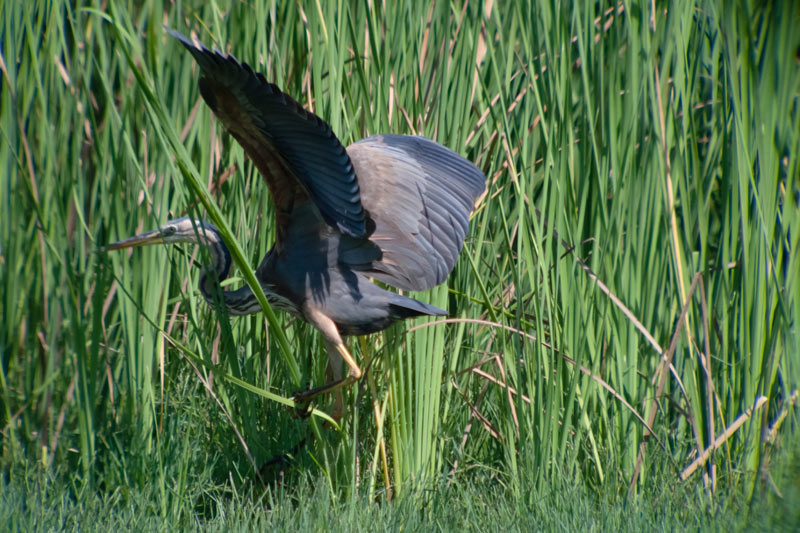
column 290, row 145
column 419, row 195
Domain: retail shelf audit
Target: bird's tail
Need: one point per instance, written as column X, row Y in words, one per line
column 406, row 307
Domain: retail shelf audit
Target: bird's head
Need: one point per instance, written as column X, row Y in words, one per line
column 175, row 231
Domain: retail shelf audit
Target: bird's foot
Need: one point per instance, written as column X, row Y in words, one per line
column 302, row 403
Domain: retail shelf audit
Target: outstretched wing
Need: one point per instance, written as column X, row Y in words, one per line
column 295, row 150
column 419, row 195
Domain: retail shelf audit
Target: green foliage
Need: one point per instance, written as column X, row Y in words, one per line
column 642, row 209
column 33, row 498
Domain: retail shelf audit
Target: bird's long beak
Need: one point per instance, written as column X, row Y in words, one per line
column 151, row 237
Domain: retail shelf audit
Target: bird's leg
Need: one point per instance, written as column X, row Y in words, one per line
column 337, row 352
column 334, row 373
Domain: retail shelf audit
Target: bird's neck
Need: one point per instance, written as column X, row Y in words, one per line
column 238, row 302
column 241, row 301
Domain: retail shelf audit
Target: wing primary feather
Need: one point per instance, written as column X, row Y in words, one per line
column 295, row 150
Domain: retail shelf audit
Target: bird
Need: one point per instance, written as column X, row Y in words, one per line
column 392, row 208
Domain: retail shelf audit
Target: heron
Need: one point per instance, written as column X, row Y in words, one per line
column 392, row 208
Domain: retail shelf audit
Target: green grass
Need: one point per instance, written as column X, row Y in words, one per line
column 38, row 499
column 661, row 147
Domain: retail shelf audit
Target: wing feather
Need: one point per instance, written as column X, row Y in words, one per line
column 295, row 150
column 419, row 195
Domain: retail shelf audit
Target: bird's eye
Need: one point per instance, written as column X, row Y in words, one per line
column 171, row 230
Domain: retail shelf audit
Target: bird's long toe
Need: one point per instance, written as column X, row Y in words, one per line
column 302, row 403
